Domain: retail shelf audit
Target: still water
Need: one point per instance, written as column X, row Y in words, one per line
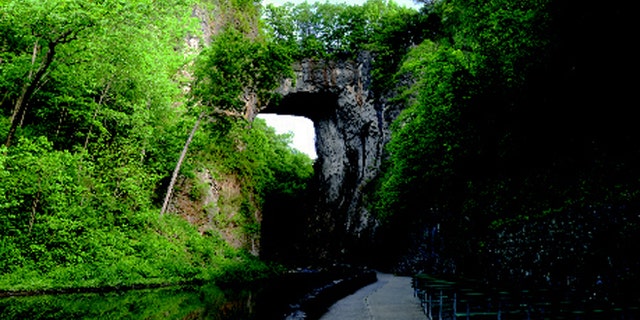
column 281, row 297
column 273, row 299
column 203, row 302
column 450, row 300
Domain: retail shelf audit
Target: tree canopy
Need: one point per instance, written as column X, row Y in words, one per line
column 501, row 135
column 97, row 99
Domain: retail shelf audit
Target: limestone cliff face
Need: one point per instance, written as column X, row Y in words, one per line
column 351, row 130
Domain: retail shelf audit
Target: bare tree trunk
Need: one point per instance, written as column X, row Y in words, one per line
column 61, row 119
column 34, row 206
column 27, row 91
column 33, row 84
column 179, row 164
column 34, row 209
column 95, row 114
column 16, row 108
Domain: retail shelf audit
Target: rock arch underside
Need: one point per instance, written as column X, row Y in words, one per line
column 351, row 128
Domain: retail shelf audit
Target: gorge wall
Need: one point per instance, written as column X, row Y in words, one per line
column 352, row 124
column 351, row 128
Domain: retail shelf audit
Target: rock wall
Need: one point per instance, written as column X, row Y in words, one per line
column 351, row 130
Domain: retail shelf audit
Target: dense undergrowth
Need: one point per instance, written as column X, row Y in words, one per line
column 96, row 105
column 496, row 168
column 64, row 228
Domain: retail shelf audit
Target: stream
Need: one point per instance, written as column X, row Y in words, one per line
column 303, row 294
column 183, row 302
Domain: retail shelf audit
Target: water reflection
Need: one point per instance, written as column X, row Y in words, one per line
column 202, row 302
column 276, row 298
column 448, row 300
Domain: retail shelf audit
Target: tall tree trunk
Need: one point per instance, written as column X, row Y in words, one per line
column 95, row 114
column 27, row 91
column 33, row 84
column 61, row 119
column 179, row 164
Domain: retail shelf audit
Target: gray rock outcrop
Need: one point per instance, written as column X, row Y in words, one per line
column 351, row 131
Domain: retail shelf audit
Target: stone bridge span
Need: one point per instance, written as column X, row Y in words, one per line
column 351, row 128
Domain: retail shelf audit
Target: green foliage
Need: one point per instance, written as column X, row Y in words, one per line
column 338, row 31
column 437, row 141
column 175, row 302
column 39, row 184
column 101, row 127
column 493, row 138
column 241, row 15
column 235, row 67
column 427, row 127
column 282, row 168
column 88, row 70
column 325, row 30
column 262, row 160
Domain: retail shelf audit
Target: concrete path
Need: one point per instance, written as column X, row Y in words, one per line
column 390, row 298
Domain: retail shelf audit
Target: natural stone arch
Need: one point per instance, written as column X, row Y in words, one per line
column 351, row 130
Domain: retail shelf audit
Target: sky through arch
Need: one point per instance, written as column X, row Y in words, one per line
column 302, row 129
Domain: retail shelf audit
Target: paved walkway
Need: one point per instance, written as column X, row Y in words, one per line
column 390, row 298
